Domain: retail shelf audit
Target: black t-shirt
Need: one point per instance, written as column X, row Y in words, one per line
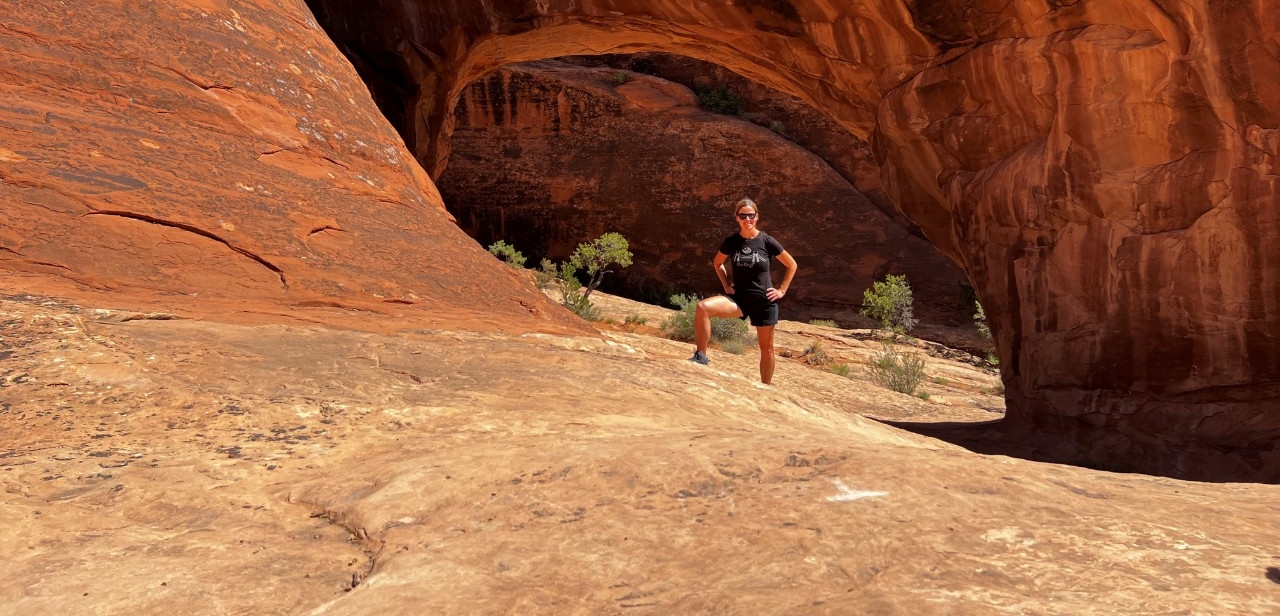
column 750, row 261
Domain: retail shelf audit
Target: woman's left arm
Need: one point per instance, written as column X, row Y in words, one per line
column 788, row 262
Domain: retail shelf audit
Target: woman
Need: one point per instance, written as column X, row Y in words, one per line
column 750, row 292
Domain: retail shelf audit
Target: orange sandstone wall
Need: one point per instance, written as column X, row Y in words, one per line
column 222, row 158
column 1104, row 172
column 546, row 155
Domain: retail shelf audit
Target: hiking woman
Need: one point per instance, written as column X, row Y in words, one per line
column 748, row 292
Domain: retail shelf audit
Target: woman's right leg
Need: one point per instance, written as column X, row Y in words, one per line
column 718, row 306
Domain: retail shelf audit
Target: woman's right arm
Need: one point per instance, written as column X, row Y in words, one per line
column 722, row 272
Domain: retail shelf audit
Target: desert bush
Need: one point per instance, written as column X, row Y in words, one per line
column 889, row 302
column 924, row 395
column 507, row 253
column 680, row 325
column 596, row 257
column 980, row 320
column 720, row 99
column 618, row 78
column 779, row 127
column 735, row 346
column 547, row 275
column 840, row 369
column 824, row 323
column 941, row 380
column 901, row 372
column 817, row 355
column 635, row 319
column 572, row 297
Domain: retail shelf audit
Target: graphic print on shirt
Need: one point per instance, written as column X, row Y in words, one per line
column 750, row 261
column 748, row 257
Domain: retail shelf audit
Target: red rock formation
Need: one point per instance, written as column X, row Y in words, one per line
column 808, row 127
column 224, row 161
column 1105, row 174
column 548, row 155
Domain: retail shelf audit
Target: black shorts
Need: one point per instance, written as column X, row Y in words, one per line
column 760, row 310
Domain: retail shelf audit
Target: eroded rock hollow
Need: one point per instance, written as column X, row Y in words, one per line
column 1105, row 174
column 549, row 154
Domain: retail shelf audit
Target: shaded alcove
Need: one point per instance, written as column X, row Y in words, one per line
column 1094, row 234
column 546, row 155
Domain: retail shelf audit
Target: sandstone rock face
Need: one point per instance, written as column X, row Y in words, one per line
column 224, row 159
column 1105, row 174
column 234, row 469
column 810, row 128
column 547, row 155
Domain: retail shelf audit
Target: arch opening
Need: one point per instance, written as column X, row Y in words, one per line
column 548, row 154
column 1053, row 152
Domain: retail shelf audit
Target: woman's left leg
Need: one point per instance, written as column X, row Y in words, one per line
column 765, row 335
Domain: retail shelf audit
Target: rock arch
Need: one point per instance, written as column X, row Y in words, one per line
column 1106, row 175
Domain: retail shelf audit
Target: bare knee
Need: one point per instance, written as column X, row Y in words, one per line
column 702, row 308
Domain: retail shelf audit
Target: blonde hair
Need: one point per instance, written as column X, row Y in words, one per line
column 745, row 202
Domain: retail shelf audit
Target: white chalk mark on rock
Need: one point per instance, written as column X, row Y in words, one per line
column 846, row 494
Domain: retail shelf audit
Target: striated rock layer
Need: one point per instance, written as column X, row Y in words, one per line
column 547, row 155
column 209, row 468
column 1104, row 173
column 222, row 158
column 808, row 127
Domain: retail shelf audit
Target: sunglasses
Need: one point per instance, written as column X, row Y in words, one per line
column 746, row 216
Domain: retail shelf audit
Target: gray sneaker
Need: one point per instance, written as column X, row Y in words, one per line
column 700, row 358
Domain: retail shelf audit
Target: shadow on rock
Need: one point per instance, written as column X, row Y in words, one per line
column 1077, row 445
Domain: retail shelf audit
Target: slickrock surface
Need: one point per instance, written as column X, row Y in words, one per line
column 1105, row 173
column 153, row 465
column 546, row 155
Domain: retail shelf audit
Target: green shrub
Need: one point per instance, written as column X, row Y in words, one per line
column 680, row 325
column 546, row 276
column 720, row 99
column 635, row 319
column 840, row 369
column 597, row 256
column 573, row 298
column 618, row 78
column 824, row 323
column 980, row 320
column 507, row 253
column 734, row 346
column 890, row 303
column 941, row 380
column 779, row 127
column 901, row 372
column 924, row 395
column 816, row 354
